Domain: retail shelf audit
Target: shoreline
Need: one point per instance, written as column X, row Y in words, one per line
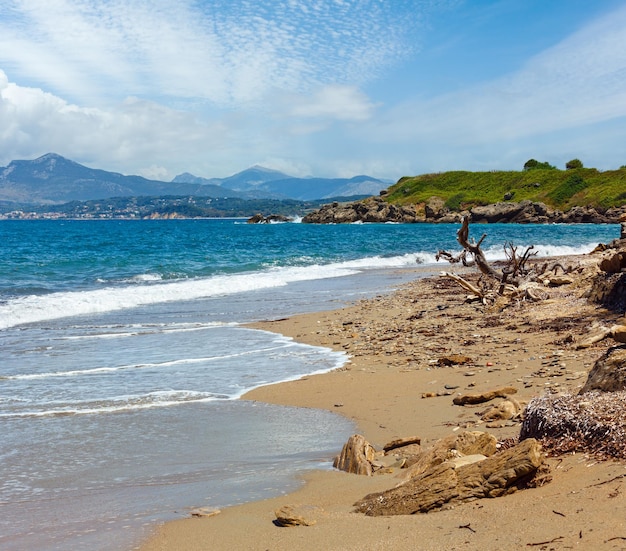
column 395, row 342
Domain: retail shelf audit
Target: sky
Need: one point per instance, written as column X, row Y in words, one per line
column 326, row 88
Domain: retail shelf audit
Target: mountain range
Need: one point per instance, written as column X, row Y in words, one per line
column 53, row 179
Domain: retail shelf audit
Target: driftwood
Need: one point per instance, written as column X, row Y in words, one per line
column 515, row 278
column 446, row 483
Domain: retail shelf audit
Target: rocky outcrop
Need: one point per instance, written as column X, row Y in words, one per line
column 356, row 456
column 608, row 373
column 270, row 219
column 451, row 448
column 522, row 212
column 377, row 209
column 608, row 287
column 453, row 482
column 374, row 209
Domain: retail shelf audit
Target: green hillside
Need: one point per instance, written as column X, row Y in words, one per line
column 560, row 189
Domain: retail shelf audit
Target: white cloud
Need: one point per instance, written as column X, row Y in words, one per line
column 228, row 54
column 35, row 122
column 345, row 103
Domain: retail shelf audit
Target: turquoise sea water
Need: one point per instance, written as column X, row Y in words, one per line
column 123, row 355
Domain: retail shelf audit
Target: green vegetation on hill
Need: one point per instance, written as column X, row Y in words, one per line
column 540, row 182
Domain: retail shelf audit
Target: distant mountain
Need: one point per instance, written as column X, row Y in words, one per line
column 55, row 179
column 52, row 179
column 264, row 182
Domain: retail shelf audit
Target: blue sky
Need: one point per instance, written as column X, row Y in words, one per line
column 319, row 87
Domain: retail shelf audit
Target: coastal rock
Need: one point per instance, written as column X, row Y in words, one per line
column 447, row 483
column 558, row 281
column 356, row 456
column 609, row 372
column 613, row 262
column 272, row 218
column 377, row 209
column 204, row 512
column 452, row 447
column 505, row 410
column 522, row 212
column 454, row 359
column 609, row 290
column 584, row 215
column 435, row 208
column 483, row 396
column 296, row 515
column 373, row 209
column 401, row 443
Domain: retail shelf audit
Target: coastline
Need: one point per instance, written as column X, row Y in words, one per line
column 396, row 342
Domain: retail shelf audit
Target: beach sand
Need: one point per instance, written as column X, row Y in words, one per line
column 395, row 385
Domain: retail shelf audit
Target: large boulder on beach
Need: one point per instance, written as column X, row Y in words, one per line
column 356, row 456
column 608, row 373
column 449, row 482
column 452, row 447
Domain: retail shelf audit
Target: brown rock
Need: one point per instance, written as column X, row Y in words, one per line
column 435, row 208
column 296, row 515
column 204, row 512
column 356, row 456
column 613, row 263
column 609, row 290
column 505, row 410
column 454, row 359
column 401, row 442
column 484, row 396
column 446, row 483
column 451, row 447
column 609, row 372
column 558, row 281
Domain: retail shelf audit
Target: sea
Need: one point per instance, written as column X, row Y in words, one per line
column 125, row 350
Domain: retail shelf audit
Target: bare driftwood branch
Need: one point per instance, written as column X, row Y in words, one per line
column 516, row 278
column 464, row 283
column 474, row 249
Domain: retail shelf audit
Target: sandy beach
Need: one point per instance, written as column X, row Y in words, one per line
column 400, row 382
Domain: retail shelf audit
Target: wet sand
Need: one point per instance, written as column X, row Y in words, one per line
column 398, row 384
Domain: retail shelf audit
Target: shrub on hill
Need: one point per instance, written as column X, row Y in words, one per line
column 560, row 189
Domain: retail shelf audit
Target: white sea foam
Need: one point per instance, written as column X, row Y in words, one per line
column 36, row 308
column 542, row 250
column 149, row 329
column 281, row 344
column 159, row 399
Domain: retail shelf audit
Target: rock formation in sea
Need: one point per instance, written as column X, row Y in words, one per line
column 377, row 209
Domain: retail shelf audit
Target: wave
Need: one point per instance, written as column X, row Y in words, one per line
column 38, row 308
column 543, row 250
column 105, row 332
column 159, row 399
column 158, row 365
column 32, row 309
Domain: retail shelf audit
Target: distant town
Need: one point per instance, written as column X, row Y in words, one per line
column 167, row 207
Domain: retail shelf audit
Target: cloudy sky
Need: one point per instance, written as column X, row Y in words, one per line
column 313, row 87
